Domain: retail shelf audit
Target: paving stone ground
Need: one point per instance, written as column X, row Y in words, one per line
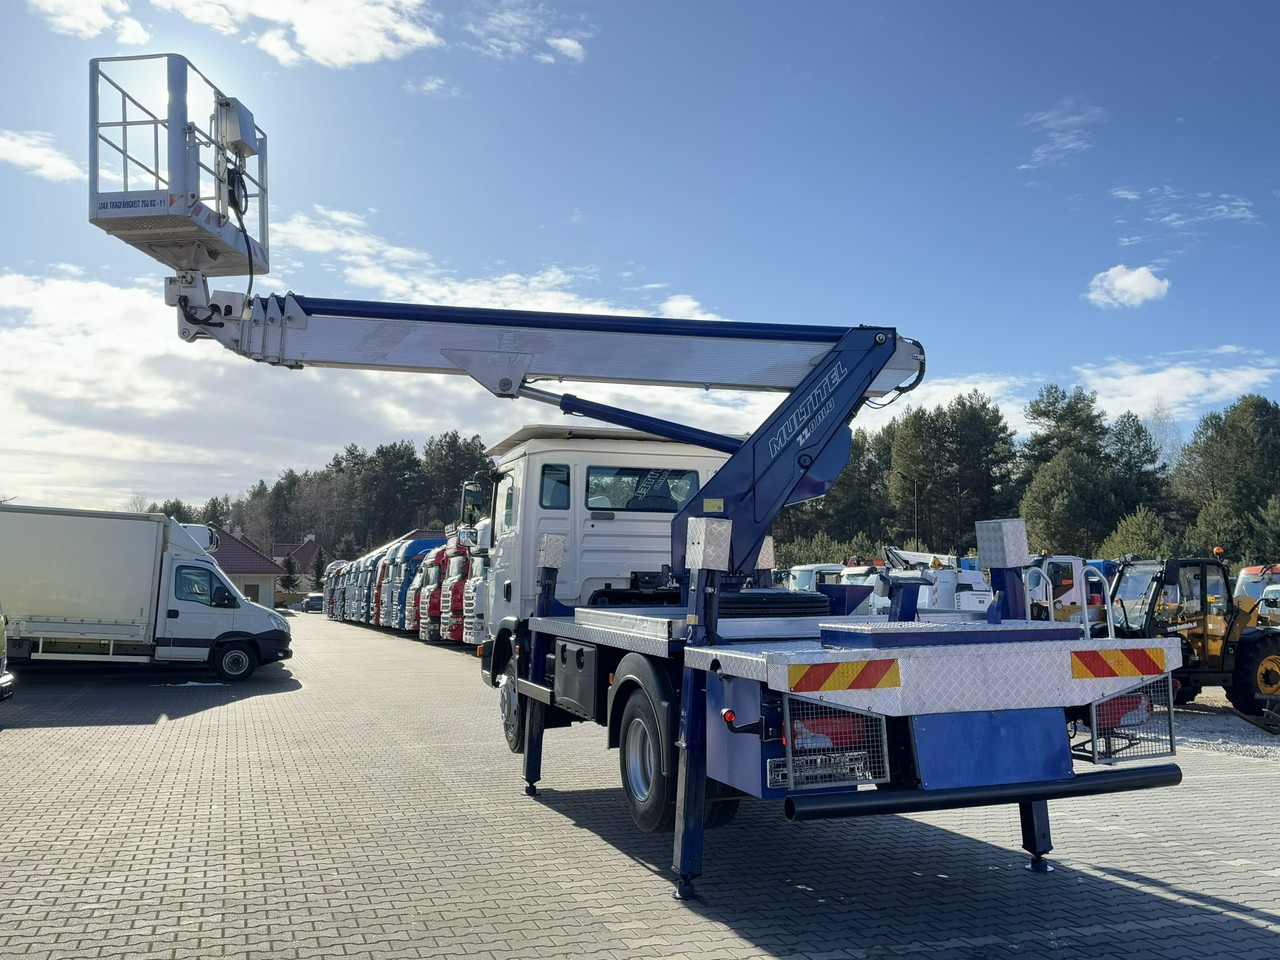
column 359, row 801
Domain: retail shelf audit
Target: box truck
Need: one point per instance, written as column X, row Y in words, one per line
column 100, row 587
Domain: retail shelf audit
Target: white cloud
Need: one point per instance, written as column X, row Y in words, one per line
column 567, row 47
column 89, row 18
column 34, row 152
column 129, row 31
column 335, row 33
column 1187, row 384
column 275, row 44
column 515, row 28
column 332, row 33
column 1177, row 218
column 1124, row 287
column 1066, row 133
column 685, row 307
column 1007, row 393
column 433, row 87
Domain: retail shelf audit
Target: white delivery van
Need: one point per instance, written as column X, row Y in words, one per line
column 100, row 587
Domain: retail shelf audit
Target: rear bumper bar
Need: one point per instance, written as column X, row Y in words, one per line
column 876, row 802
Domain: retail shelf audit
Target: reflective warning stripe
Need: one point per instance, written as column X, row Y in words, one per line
column 1137, row 662
column 855, row 675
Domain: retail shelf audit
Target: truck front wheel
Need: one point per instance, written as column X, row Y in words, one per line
column 651, row 797
column 512, row 706
column 234, row 661
column 1257, row 676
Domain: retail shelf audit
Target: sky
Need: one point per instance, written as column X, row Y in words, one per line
column 1080, row 193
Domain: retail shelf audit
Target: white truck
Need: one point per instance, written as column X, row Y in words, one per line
column 711, row 688
column 102, row 587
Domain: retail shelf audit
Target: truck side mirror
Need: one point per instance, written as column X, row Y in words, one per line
column 222, row 597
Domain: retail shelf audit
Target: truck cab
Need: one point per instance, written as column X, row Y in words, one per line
column 404, row 560
column 805, row 577
column 611, row 493
column 473, row 594
column 1252, row 582
column 1269, row 606
column 429, row 595
column 332, row 580
column 453, row 577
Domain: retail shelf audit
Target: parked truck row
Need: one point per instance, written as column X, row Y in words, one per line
column 423, row 584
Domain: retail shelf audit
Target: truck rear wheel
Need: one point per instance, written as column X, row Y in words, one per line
column 651, row 797
column 1257, row 676
column 234, row 661
column 722, row 805
column 512, row 706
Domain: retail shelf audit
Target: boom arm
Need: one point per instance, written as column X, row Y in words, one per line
column 797, row 454
column 505, row 350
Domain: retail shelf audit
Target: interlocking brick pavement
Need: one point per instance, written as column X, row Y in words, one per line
column 359, row 801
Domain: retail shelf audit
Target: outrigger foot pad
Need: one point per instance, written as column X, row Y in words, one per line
column 684, row 890
column 1040, row 865
column 531, row 790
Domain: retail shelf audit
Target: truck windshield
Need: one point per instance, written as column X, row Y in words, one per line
column 1252, row 583
column 640, row 489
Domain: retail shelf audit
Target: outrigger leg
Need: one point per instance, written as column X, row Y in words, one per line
column 691, row 784
column 1035, row 833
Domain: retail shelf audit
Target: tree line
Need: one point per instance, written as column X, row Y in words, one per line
column 359, row 500
column 1084, row 486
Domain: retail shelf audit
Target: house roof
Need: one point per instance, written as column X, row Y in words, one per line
column 237, row 555
column 304, row 554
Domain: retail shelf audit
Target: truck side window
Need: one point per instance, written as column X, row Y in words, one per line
column 643, row 489
column 506, row 506
column 553, row 493
column 194, row 584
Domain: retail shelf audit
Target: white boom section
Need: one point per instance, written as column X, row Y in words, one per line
column 505, row 349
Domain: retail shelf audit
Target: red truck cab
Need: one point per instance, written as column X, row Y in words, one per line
column 429, row 596
column 453, row 579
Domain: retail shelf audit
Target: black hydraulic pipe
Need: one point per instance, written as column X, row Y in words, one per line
column 876, row 802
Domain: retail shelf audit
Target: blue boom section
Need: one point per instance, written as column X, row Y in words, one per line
column 587, row 322
column 797, row 454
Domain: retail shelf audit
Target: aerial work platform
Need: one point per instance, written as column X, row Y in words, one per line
column 177, row 169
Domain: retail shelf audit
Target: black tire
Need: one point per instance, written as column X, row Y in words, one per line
column 720, row 813
column 234, row 661
column 651, row 797
column 1257, row 676
column 512, row 706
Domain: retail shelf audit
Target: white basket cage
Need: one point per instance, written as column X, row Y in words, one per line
column 177, row 168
